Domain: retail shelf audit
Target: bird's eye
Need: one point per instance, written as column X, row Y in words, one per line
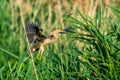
column 50, row 36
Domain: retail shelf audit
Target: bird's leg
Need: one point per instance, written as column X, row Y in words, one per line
column 39, row 56
column 42, row 50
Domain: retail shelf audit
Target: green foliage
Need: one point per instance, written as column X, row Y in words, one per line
column 99, row 58
column 105, row 48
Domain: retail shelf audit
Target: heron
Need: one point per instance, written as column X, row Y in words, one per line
column 38, row 41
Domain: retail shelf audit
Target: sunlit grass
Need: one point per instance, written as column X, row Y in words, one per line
column 90, row 51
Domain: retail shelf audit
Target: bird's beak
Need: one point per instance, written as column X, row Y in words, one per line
column 69, row 29
column 62, row 32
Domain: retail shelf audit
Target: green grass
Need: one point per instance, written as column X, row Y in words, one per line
column 99, row 58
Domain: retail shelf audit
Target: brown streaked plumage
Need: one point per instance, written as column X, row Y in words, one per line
column 38, row 40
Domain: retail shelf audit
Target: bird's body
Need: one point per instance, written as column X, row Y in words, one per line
column 38, row 40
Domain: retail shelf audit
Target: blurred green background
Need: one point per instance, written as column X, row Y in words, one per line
column 91, row 51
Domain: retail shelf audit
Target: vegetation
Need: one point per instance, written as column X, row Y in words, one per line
column 90, row 51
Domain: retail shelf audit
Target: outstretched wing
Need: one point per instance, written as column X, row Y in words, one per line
column 31, row 30
column 34, row 36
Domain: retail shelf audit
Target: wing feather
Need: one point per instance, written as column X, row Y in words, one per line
column 31, row 30
column 34, row 36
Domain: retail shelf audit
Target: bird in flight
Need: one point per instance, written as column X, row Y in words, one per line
column 38, row 40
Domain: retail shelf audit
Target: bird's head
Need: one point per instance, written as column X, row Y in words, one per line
column 53, row 36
